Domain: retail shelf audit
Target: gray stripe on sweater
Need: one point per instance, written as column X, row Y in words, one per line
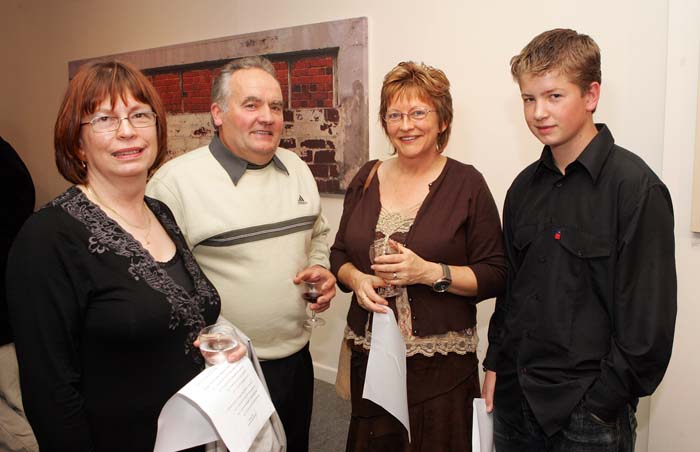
column 260, row 232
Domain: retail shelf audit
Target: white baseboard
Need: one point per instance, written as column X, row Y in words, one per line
column 325, row 373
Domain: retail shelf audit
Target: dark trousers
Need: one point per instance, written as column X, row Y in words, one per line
column 584, row 432
column 291, row 384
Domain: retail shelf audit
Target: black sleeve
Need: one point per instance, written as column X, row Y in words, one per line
column 47, row 294
column 643, row 309
column 495, row 354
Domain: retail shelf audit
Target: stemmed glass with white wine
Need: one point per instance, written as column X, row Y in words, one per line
column 382, row 247
column 216, row 342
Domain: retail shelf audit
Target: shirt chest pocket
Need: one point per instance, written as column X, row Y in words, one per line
column 584, row 245
column 561, row 258
column 587, row 256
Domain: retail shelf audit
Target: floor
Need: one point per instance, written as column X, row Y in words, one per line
column 329, row 421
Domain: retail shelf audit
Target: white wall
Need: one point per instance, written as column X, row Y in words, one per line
column 646, row 105
column 674, row 406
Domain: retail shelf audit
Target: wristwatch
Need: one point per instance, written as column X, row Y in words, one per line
column 442, row 284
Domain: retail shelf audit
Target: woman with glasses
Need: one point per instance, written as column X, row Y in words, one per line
column 105, row 298
column 440, row 217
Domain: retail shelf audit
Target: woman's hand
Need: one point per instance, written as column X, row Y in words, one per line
column 405, row 268
column 363, row 285
column 234, row 355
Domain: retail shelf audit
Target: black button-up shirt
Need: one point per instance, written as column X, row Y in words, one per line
column 590, row 307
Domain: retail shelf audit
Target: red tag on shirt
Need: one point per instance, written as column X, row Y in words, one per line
column 557, row 235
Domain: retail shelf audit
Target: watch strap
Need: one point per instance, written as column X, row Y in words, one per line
column 446, row 274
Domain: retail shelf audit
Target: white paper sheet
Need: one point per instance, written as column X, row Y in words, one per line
column 482, row 428
column 226, row 401
column 385, row 381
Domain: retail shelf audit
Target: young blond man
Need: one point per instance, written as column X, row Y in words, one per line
column 586, row 325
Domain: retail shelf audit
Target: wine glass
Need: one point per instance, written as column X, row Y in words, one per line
column 382, row 247
column 216, row 342
column 311, row 293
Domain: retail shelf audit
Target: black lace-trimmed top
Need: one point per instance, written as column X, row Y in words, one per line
column 103, row 332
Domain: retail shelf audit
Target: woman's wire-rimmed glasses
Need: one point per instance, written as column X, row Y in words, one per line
column 138, row 119
column 416, row 114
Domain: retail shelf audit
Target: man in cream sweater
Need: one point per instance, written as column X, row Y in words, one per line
column 251, row 213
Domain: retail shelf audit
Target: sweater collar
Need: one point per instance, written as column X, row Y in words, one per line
column 236, row 166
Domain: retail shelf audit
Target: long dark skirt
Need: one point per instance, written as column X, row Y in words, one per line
column 440, row 394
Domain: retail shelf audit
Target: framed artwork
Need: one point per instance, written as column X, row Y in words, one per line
column 322, row 69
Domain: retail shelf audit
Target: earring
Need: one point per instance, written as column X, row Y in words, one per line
column 84, row 164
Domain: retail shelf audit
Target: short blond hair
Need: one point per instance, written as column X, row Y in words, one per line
column 561, row 50
column 424, row 82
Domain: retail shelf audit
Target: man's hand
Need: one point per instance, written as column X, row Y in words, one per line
column 319, row 273
column 488, row 389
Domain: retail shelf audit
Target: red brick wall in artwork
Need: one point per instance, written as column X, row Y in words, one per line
column 312, row 82
column 169, row 87
column 311, row 118
column 196, row 90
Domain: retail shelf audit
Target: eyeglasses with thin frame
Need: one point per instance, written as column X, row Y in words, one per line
column 416, row 114
column 139, row 119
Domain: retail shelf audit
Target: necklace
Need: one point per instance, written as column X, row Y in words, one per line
column 146, row 228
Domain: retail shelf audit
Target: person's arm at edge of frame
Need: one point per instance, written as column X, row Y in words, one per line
column 643, row 309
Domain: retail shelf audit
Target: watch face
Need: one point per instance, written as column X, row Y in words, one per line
column 441, row 286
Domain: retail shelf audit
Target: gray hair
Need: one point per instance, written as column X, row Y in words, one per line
column 220, row 91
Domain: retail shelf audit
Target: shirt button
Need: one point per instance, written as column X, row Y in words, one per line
column 410, row 300
column 413, row 317
column 415, row 332
column 558, row 184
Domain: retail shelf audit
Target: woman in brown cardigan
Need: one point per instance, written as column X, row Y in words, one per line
column 441, row 216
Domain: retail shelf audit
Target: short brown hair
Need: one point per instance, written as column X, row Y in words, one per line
column 94, row 83
column 426, row 83
column 572, row 54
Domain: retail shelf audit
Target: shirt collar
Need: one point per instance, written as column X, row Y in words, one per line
column 234, row 165
column 592, row 158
